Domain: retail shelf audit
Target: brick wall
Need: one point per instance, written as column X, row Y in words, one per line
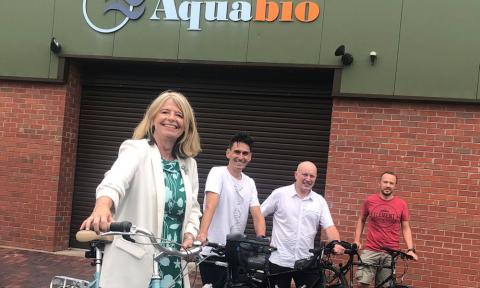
column 37, row 160
column 433, row 147
column 435, row 151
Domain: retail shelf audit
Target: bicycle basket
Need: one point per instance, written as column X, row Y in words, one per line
column 246, row 256
column 304, row 264
column 68, row 282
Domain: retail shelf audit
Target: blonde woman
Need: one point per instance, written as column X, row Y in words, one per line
column 154, row 184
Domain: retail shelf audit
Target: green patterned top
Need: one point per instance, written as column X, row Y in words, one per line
column 172, row 223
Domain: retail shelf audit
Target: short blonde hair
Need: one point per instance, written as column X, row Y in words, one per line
column 187, row 145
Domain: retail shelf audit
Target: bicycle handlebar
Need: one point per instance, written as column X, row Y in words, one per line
column 395, row 253
column 328, row 248
column 90, row 235
column 215, row 245
column 217, row 248
column 126, row 228
column 352, row 250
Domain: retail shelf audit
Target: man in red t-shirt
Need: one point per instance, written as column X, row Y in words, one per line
column 388, row 215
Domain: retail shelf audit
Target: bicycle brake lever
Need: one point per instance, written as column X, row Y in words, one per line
column 128, row 238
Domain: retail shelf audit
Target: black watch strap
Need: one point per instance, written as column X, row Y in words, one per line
column 412, row 249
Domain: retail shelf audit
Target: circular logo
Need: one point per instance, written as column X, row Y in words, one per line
column 129, row 12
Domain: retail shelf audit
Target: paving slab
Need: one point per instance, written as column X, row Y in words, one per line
column 21, row 268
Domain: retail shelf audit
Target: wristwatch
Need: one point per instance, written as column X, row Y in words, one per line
column 412, row 249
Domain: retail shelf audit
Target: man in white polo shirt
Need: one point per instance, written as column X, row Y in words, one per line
column 298, row 213
column 229, row 195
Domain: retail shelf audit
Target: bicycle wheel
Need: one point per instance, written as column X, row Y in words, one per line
column 332, row 278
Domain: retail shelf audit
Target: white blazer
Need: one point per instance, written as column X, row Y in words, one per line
column 135, row 184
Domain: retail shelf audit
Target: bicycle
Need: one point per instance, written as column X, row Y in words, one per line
column 126, row 230
column 391, row 280
column 321, row 263
column 246, row 261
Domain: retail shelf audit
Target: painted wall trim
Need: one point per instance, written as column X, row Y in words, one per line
column 405, row 97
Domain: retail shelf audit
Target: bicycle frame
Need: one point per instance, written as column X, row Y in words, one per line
column 155, row 280
column 126, row 230
column 251, row 282
column 328, row 274
column 255, row 274
column 394, row 254
column 95, row 283
column 96, row 252
column 392, row 277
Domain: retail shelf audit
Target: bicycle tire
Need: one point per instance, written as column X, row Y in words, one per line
column 331, row 278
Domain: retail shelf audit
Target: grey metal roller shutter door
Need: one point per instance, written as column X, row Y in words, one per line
column 286, row 110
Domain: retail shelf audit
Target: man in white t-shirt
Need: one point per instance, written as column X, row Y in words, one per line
column 229, row 195
column 298, row 213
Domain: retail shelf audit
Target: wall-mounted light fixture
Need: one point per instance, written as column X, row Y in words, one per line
column 347, row 58
column 55, row 46
column 373, row 57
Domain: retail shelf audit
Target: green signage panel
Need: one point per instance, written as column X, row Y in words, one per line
column 438, row 52
column 363, row 27
column 286, row 32
column 222, row 33
column 424, row 49
column 478, row 84
column 149, row 36
column 25, row 38
column 73, row 32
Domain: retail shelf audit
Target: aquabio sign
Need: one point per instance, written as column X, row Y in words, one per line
column 191, row 12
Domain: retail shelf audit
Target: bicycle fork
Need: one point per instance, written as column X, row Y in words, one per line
column 98, row 266
column 156, row 277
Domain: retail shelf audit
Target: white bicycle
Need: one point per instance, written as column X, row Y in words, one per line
column 125, row 229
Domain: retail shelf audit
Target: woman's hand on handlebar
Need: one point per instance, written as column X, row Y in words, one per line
column 187, row 240
column 101, row 216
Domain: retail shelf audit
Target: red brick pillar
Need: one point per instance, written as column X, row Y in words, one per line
column 37, row 161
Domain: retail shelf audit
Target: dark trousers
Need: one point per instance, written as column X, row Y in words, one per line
column 213, row 274
column 282, row 277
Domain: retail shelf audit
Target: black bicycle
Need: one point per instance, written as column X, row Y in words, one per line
column 247, row 264
column 321, row 264
column 393, row 280
column 245, row 259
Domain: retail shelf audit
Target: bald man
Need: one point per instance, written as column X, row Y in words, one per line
column 298, row 213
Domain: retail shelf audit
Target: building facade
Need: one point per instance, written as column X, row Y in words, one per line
column 407, row 103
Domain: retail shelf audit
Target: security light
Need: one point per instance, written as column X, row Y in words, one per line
column 347, row 58
column 55, row 46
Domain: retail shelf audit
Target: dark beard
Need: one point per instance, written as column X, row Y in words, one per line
column 386, row 192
